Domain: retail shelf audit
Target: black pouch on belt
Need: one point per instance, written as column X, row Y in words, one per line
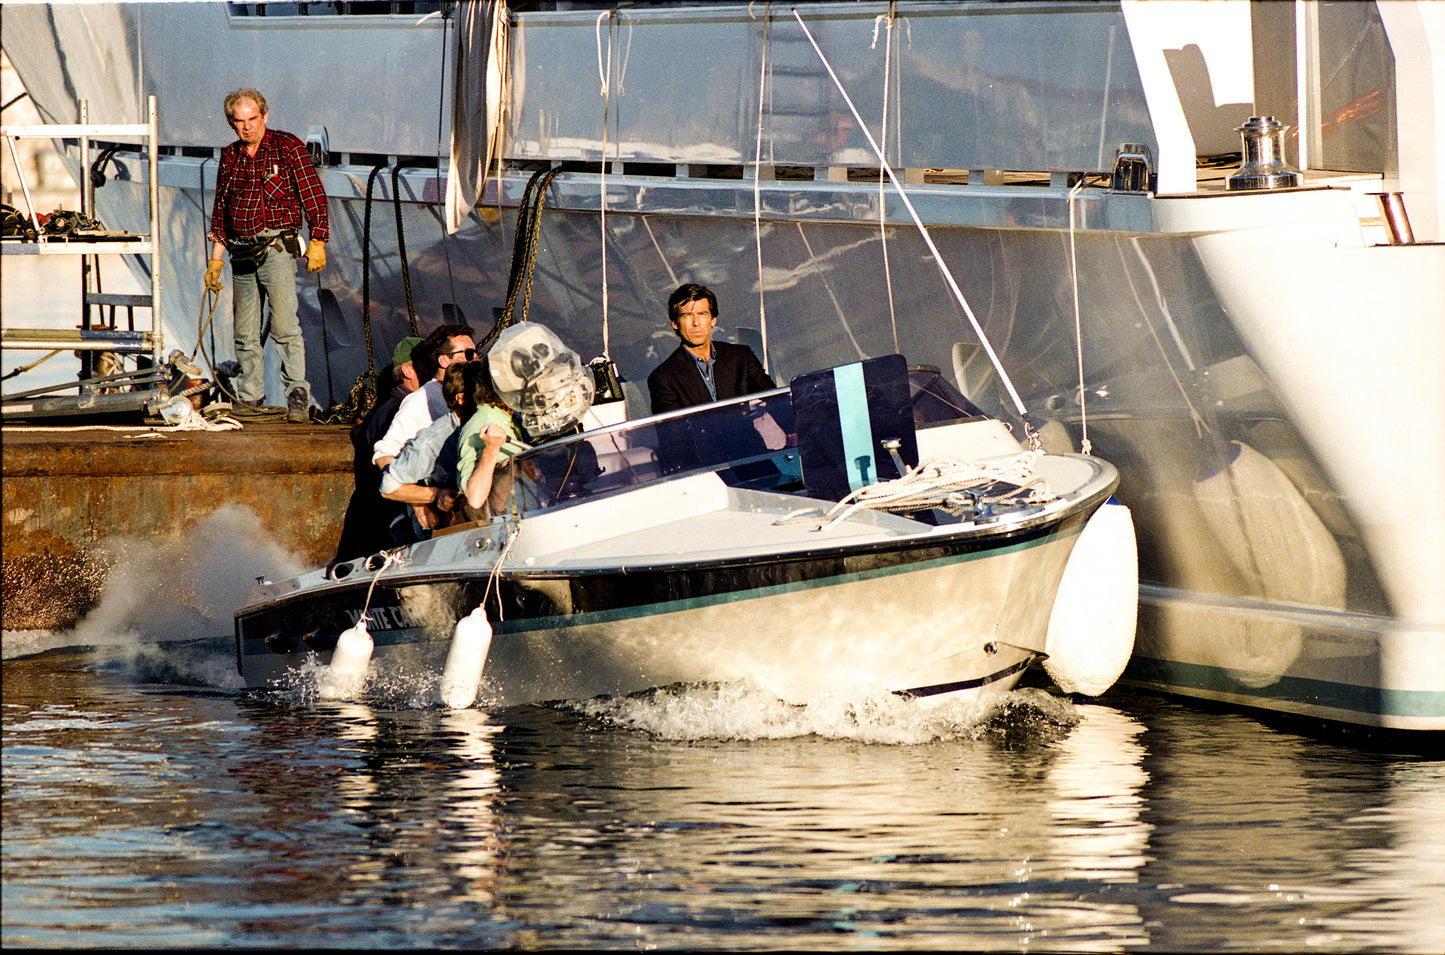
column 249, row 253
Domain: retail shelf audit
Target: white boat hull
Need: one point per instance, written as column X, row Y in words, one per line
column 926, row 618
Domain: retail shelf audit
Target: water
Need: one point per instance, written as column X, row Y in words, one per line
column 149, row 803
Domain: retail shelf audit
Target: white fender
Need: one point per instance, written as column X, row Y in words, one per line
column 1091, row 628
column 349, row 661
column 466, row 659
column 1282, row 551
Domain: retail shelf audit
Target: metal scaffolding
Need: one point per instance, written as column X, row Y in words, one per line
column 142, row 389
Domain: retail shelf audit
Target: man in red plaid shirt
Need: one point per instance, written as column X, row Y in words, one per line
column 266, row 183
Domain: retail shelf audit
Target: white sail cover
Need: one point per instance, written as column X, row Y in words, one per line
column 540, row 378
column 477, row 104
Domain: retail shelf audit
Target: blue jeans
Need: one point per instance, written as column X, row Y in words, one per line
column 273, row 282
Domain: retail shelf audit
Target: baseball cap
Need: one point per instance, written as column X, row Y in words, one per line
column 404, row 348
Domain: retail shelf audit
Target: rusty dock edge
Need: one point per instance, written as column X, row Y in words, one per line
column 65, row 492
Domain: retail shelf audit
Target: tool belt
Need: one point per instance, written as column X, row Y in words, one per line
column 251, row 252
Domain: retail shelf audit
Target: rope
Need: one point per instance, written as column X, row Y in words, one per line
column 524, row 251
column 202, row 325
column 24, row 368
column 205, row 252
column 392, row 557
column 363, row 390
column 917, row 221
column 1084, row 444
column 519, row 241
column 366, row 269
column 757, row 190
column 495, row 576
column 890, row 19
column 401, row 241
column 953, row 484
column 358, row 402
column 196, row 421
column 446, row 15
column 827, row 287
column 534, row 228
column 606, row 75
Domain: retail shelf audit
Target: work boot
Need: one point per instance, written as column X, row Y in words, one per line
column 298, row 407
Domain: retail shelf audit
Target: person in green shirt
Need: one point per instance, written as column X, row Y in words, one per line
column 483, row 474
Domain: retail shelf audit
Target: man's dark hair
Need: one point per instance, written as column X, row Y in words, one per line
column 424, row 356
column 689, row 292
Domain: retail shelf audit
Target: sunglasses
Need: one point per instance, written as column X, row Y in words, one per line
column 469, row 352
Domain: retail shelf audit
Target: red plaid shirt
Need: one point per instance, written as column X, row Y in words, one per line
column 269, row 191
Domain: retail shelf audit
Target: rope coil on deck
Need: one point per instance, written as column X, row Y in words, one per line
column 952, row 484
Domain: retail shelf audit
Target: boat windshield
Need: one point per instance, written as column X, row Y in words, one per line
column 750, row 442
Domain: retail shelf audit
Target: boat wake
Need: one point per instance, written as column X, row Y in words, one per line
column 741, row 711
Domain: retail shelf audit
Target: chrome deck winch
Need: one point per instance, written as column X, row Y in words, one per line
column 1264, row 165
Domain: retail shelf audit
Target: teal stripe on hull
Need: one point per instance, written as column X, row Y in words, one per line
column 1300, row 692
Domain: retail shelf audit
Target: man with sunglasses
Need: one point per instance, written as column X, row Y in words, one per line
column 447, row 346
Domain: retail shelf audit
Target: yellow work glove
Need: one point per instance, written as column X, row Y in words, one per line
column 315, row 256
column 213, row 275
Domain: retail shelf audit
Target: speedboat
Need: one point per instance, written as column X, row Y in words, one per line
column 864, row 528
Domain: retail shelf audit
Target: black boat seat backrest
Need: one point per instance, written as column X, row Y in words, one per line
column 843, row 418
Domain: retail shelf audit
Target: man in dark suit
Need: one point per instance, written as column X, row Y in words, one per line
column 702, row 370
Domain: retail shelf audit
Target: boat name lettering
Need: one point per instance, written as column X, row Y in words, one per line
column 383, row 618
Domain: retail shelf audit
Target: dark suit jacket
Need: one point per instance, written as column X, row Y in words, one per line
column 676, row 382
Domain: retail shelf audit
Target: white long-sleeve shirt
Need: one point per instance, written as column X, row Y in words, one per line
column 413, row 414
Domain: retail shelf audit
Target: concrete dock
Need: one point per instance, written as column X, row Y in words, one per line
column 69, row 491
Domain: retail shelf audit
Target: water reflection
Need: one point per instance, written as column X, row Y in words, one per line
column 140, row 814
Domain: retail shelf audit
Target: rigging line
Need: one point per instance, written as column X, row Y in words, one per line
column 606, row 74
column 366, row 269
column 441, row 102
column 495, row 575
column 391, row 558
column 524, row 250
column 535, row 228
column 24, row 368
column 758, row 193
column 827, row 287
column 201, row 172
column 519, row 250
column 917, row 221
column 672, row 276
column 890, row 20
column 401, row 239
column 1084, row 445
column 1200, row 427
